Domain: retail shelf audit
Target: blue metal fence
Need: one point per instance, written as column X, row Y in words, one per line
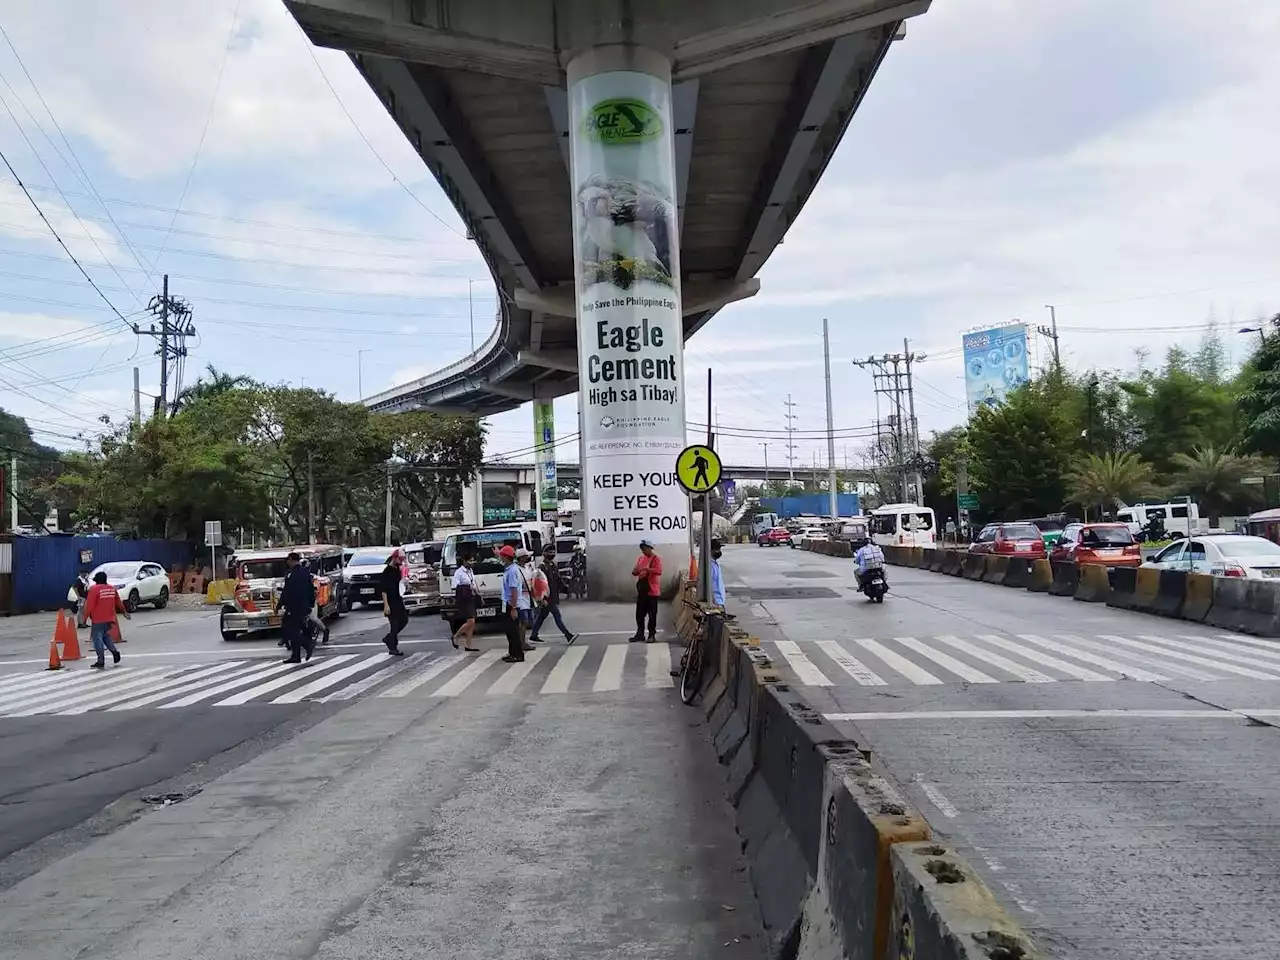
column 43, row 567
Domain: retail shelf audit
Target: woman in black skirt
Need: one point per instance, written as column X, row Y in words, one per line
column 464, row 592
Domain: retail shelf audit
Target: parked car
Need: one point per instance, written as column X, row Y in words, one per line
column 1050, row 529
column 774, row 537
column 362, row 572
column 809, row 533
column 1222, row 555
column 1110, row 544
column 1018, row 539
column 137, row 582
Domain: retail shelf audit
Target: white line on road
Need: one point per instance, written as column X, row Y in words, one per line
column 609, row 674
column 426, row 676
column 898, row 662
column 109, row 686
column 1175, row 655
column 1035, row 656
column 60, row 682
column 239, row 681
column 1268, row 650
column 189, row 683
column 1051, row 714
column 372, row 680
column 516, row 672
column 657, row 665
column 805, row 671
column 1004, row 663
column 850, row 664
column 299, row 672
column 1249, row 658
column 168, row 688
column 945, row 660
column 945, row 806
column 1131, row 673
column 468, row 674
column 562, row 673
column 330, row 679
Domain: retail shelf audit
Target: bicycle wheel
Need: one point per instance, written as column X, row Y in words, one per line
column 691, row 672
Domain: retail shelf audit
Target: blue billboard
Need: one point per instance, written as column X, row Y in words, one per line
column 995, row 362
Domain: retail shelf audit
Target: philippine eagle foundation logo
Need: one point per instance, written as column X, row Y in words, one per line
column 607, row 422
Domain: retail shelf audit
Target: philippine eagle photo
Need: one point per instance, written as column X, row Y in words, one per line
column 627, row 227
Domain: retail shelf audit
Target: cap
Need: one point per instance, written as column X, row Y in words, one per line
column 716, row 542
column 293, row 555
column 646, row 543
column 509, row 552
column 549, row 548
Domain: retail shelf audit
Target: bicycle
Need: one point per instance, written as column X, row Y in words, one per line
column 693, row 662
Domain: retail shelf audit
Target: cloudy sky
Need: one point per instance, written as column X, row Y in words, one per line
column 1117, row 159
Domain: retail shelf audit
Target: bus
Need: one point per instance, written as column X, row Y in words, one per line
column 904, row 525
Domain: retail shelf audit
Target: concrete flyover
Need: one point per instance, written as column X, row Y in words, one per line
column 762, row 92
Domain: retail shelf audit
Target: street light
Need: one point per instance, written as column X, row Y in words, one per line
column 1262, row 334
column 360, row 371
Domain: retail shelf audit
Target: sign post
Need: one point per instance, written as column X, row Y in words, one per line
column 698, row 471
column 213, row 538
column 546, row 486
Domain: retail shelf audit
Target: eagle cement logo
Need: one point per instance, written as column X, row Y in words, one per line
column 621, row 120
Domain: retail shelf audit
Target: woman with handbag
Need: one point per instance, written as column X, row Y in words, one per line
column 464, row 592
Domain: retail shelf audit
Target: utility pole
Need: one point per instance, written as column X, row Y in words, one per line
column 891, row 377
column 833, row 498
column 137, row 399
column 1052, row 333
column 791, row 430
column 174, row 314
column 914, row 436
column 765, row 444
column 13, row 494
column 962, row 488
column 704, row 552
column 387, row 537
column 311, row 499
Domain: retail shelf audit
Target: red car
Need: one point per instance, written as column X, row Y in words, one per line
column 1010, row 540
column 775, row 537
column 1110, row 544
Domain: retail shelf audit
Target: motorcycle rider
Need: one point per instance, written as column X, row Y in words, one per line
column 870, row 557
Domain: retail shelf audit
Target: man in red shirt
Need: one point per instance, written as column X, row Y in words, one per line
column 648, row 574
column 100, row 608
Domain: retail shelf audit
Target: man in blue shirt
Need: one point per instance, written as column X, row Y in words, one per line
column 717, row 578
column 869, row 557
column 511, row 588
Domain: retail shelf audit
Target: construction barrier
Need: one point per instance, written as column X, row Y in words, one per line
column 1171, row 593
column 916, row 557
column 1124, row 588
column 973, row 566
column 1040, row 577
column 933, row 559
column 1246, row 606
column 219, row 590
column 994, row 568
column 1094, row 585
column 1145, row 588
column 954, row 563
column 1066, row 578
column 1197, row 597
column 1019, row 572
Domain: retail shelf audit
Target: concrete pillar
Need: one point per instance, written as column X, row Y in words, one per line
column 526, row 496
column 473, row 503
column 630, row 332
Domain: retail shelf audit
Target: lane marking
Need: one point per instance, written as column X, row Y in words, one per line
column 1051, row 714
column 850, row 664
column 164, row 689
column 62, row 683
column 945, row 660
column 20, row 680
column 1246, row 641
column 244, row 669
column 515, row 672
column 1035, row 656
column 300, row 671
column 109, row 687
column 1130, row 673
column 378, row 676
column 804, row 668
column 468, row 674
column 331, row 679
column 657, row 666
column 945, row 806
column 1216, row 665
column 1268, row 651
column 257, row 674
column 609, row 674
column 561, row 674
column 898, row 662
column 426, row 676
column 1165, row 666
column 1004, row 663
column 1249, row 658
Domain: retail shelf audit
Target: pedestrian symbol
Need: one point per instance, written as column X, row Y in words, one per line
column 698, row 469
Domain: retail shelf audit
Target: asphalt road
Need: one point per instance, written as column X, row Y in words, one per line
column 1115, row 776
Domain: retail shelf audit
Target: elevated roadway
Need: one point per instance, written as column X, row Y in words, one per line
column 763, row 91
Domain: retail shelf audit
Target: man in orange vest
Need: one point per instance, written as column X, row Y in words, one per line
column 100, row 607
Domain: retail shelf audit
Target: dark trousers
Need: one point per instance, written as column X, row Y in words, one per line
column 551, row 610
column 397, row 620
column 646, row 606
column 515, row 648
column 296, row 633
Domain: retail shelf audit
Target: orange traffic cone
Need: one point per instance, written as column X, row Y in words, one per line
column 65, row 634
column 55, row 662
column 114, row 632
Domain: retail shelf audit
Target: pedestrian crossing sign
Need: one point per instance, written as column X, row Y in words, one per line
column 698, row 468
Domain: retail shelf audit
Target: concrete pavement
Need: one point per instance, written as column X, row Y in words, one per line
column 1116, row 776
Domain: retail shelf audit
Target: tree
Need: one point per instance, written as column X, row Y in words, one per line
column 1259, row 402
column 437, row 456
column 218, row 384
column 1213, row 478
column 1020, row 451
column 1109, row 480
column 946, row 448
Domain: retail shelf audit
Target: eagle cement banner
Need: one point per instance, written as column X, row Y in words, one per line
column 630, row 329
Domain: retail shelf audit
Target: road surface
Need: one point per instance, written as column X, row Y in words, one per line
column 1115, row 776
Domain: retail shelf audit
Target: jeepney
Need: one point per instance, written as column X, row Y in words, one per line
column 422, row 586
column 259, row 576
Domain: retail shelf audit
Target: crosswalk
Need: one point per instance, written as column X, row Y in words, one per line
column 1026, row 658
column 546, row 671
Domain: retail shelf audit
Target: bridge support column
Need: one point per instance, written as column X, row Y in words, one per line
column 630, row 331
column 473, row 503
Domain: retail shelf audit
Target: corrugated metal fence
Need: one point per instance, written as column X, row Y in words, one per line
column 43, row 567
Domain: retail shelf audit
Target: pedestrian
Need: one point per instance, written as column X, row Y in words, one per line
column 393, row 603
column 313, row 618
column 297, row 597
column 464, row 593
column 511, row 578
column 551, row 601
column 76, row 596
column 717, row 577
column 101, row 605
column 648, row 574
column 524, row 563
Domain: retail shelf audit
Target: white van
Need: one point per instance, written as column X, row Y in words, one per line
column 483, row 544
column 1182, row 518
column 904, row 525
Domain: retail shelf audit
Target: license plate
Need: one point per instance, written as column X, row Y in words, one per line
column 487, row 612
column 364, row 590
column 1023, row 547
column 273, row 620
column 1110, row 553
column 1270, row 572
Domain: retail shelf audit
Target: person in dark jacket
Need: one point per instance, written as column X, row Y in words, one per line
column 393, row 603
column 297, row 597
column 549, row 606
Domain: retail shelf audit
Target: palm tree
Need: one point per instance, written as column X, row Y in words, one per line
column 1107, row 480
column 1214, row 478
column 216, row 385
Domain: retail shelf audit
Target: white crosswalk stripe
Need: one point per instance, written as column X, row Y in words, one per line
column 1022, row 658
column 422, row 678
column 395, row 668
column 516, row 672
column 561, row 674
column 657, row 666
column 609, row 676
column 109, row 686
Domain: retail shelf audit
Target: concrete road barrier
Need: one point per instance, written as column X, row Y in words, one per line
column 1146, row 585
column 1094, row 586
column 994, row 568
column 1198, row 599
column 1040, row 579
column 1124, row 588
column 974, row 566
column 953, row 563
column 1246, row 606
column 1171, row 593
column 1066, row 578
column 915, row 557
column 933, row 559
column 1018, row 573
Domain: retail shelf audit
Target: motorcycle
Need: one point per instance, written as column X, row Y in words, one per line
column 874, row 585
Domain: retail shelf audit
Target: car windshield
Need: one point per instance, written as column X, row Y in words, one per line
column 117, row 571
column 369, row 559
column 1045, row 525
column 566, row 544
column 1249, row 547
column 1020, row 531
column 265, row 569
column 1106, row 536
column 480, row 545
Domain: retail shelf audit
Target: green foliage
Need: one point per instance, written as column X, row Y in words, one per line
column 1214, row 479
column 1260, row 397
column 1020, row 451
column 1107, row 480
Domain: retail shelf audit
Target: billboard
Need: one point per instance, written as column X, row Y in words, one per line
column 544, row 456
column 995, row 362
